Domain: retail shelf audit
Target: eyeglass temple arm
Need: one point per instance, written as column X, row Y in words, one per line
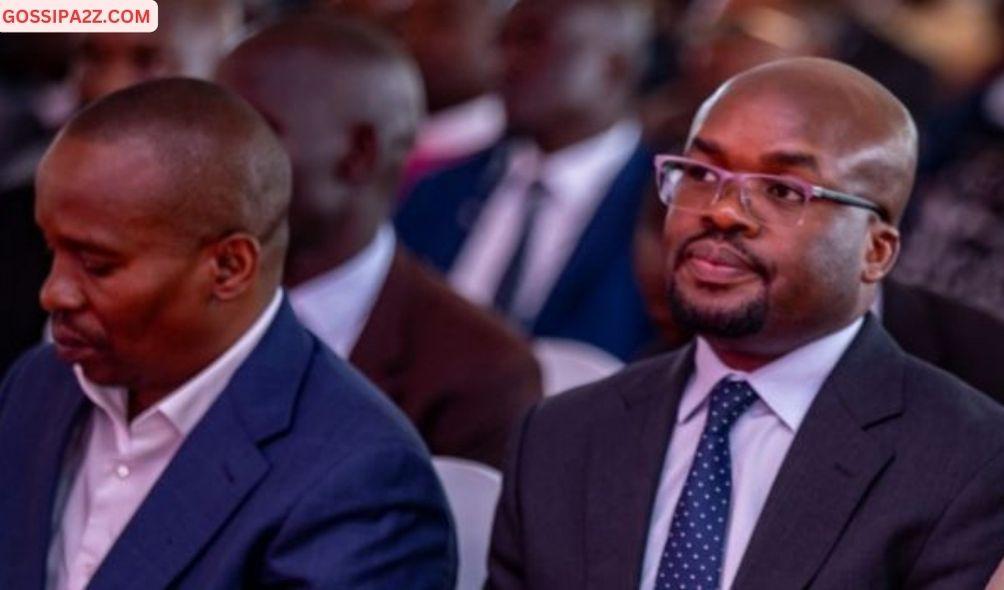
column 851, row 200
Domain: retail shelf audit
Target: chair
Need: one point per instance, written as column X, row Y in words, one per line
column 473, row 490
column 565, row 364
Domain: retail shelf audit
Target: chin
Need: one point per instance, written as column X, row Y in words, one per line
column 726, row 316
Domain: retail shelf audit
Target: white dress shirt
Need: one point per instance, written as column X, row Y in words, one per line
column 120, row 461
column 461, row 130
column 576, row 179
column 758, row 442
column 336, row 305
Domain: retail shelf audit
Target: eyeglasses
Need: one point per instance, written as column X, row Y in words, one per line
column 771, row 199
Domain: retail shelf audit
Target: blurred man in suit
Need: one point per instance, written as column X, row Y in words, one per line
column 540, row 226
column 346, row 102
column 191, row 37
column 466, row 115
column 185, row 431
column 794, row 444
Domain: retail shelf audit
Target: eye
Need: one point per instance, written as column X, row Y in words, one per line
column 700, row 174
column 96, row 266
column 782, row 191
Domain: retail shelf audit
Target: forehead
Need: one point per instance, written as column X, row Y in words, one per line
column 746, row 126
column 125, row 44
column 99, row 187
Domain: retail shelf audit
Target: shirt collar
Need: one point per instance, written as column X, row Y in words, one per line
column 581, row 169
column 462, row 129
column 336, row 304
column 186, row 405
column 787, row 386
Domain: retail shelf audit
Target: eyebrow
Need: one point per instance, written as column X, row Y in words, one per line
column 780, row 159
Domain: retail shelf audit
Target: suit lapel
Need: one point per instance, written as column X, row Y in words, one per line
column 216, row 468
column 469, row 203
column 829, row 468
column 626, row 454
column 26, row 509
column 380, row 351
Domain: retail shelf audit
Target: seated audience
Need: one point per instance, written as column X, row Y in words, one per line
column 539, row 227
column 184, row 431
column 346, row 100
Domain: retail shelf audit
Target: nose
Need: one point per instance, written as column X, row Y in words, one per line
column 729, row 213
column 60, row 292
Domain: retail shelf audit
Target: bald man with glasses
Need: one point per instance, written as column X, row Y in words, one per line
column 793, row 444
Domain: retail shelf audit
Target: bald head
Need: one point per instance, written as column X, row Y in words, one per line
column 865, row 138
column 223, row 169
column 328, row 72
column 346, row 101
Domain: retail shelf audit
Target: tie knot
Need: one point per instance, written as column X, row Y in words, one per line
column 729, row 399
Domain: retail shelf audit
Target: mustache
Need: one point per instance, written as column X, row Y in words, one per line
column 733, row 240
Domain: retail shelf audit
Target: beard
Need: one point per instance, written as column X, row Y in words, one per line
column 745, row 319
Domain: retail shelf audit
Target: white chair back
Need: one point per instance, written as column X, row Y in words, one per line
column 565, row 364
column 472, row 490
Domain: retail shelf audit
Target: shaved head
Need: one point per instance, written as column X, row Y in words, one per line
column 224, row 169
column 867, row 132
column 345, row 100
column 164, row 205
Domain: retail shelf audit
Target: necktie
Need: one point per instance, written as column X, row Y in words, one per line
column 692, row 558
column 505, row 294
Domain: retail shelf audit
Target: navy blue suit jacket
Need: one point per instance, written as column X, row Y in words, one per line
column 596, row 298
column 301, row 475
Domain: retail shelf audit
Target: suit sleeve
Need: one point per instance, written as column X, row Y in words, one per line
column 967, row 542
column 506, row 567
column 377, row 520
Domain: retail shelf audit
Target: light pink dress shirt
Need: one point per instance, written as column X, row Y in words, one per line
column 120, row 461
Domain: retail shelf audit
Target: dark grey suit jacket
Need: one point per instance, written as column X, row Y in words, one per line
column 894, row 480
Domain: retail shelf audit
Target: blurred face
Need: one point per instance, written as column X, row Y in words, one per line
column 732, row 276
column 112, row 61
column 553, row 67
column 460, row 33
column 129, row 297
column 306, row 130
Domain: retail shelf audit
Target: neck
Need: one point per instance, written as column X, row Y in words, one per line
column 221, row 336
column 338, row 244
column 749, row 353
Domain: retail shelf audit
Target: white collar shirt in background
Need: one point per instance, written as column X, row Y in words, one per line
column 576, row 179
column 461, row 130
column 758, row 442
column 119, row 461
column 336, row 305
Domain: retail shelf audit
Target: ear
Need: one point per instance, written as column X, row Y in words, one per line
column 881, row 251
column 234, row 265
column 361, row 158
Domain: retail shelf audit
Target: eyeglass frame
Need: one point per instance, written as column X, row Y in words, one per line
column 812, row 190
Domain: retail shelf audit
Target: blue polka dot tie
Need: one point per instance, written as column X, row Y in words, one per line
column 692, row 559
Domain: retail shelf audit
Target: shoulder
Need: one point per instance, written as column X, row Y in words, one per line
column 38, row 369
column 574, row 413
column 952, row 409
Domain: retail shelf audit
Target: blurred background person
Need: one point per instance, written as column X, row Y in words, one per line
column 539, row 226
column 455, row 44
column 345, row 100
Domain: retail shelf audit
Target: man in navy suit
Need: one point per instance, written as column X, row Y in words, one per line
column 540, row 226
column 185, row 431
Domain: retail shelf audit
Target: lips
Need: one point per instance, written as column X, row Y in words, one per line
column 71, row 345
column 717, row 263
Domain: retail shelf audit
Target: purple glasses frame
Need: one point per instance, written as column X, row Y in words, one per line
column 812, row 190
